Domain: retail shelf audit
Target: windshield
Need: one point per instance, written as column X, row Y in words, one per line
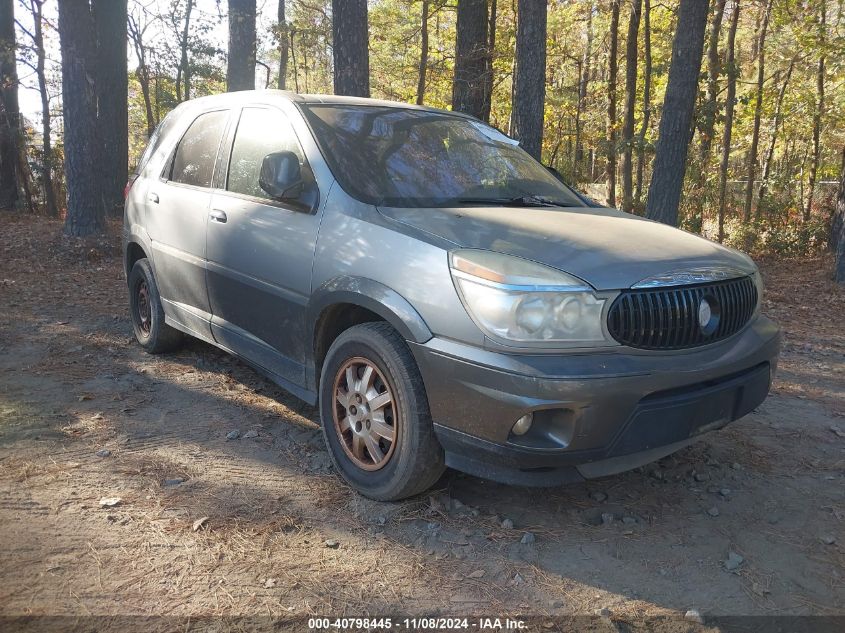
column 415, row 158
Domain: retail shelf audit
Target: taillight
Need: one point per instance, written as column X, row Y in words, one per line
column 129, row 184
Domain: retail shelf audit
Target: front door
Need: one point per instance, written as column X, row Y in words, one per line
column 260, row 251
column 177, row 213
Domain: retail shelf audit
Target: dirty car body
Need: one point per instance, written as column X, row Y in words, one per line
column 544, row 340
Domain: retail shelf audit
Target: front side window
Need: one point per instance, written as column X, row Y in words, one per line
column 415, row 158
column 193, row 163
column 261, row 131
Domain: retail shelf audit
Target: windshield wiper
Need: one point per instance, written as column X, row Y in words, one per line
column 518, row 201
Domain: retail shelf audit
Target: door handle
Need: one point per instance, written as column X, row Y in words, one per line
column 153, row 197
column 217, row 215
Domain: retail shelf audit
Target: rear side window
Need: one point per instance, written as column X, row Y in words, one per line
column 193, row 163
column 261, row 131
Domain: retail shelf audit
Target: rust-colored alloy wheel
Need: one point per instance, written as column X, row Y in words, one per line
column 365, row 418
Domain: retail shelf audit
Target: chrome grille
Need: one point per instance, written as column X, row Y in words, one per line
column 668, row 318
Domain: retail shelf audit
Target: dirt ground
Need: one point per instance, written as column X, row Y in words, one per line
column 282, row 536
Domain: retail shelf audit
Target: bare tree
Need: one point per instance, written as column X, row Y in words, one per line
column 710, row 106
column 530, row 81
column 838, row 233
column 612, row 70
column 183, row 72
column 423, row 53
column 37, row 36
column 758, row 108
column 664, row 194
column 284, row 46
column 85, row 210
column 351, row 48
column 142, row 72
column 818, row 114
column 730, row 104
column 631, row 58
column 488, row 60
column 583, row 86
column 240, row 70
column 647, row 65
column 468, row 86
column 778, row 118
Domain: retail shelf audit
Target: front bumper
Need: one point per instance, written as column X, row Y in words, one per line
column 595, row 413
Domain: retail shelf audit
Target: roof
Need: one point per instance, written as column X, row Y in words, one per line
column 251, row 96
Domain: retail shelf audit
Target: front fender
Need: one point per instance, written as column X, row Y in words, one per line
column 374, row 296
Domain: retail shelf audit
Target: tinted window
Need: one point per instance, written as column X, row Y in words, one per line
column 260, row 132
column 403, row 157
column 193, row 163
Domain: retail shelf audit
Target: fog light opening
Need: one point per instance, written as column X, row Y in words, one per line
column 523, row 424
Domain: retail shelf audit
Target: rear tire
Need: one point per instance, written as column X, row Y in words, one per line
column 145, row 307
column 371, row 388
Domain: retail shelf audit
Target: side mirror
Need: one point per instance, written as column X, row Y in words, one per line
column 281, row 176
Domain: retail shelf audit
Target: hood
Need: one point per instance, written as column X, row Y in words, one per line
column 607, row 248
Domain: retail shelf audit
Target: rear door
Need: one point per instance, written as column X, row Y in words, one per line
column 177, row 214
column 260, row 250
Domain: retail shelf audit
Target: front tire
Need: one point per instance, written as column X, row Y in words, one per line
column 154, row 335
column 375, row 415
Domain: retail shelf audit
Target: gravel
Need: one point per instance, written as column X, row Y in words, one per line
column 713, row 512
column 104, row 452
column 252, row 433
column 233, row 435
column 528, row 538
column 598, row 496
column 507, row 524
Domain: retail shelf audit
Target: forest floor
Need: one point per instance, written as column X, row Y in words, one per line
column 85, row 415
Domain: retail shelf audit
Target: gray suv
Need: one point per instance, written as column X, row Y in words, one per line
column 443, row 297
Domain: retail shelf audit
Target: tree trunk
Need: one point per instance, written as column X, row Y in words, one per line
column 423, row 53
column 240, row 71
column 638, row 194
column 51, row 207
column 664, row 194
column 530, row 80
column 284, row 47
column 351, row 48
column 613, row 67
column 468, row 86
column 817, row 115
column 183, row 49
column 583, row 85
column 730, row 103
column 488, row 60
column 767, row 165
column 9, row 110
column 710, row 108
column 839, row 226
column 758, row 109
column 111, row 85
column 85, row 211
column 631, row 58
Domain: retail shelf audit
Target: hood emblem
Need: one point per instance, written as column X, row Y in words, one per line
column 705, row 313
column 691, row 276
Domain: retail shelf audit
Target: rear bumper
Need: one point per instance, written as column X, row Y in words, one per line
column 594, row 414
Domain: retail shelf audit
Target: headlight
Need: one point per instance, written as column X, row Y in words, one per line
column 521, row 301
